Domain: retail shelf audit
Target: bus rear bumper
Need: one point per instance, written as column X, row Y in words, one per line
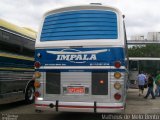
column 93, row 107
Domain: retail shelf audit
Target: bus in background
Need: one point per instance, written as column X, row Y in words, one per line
column 146, row 64
column 80, row 60
column 16, row 63
column 133, row 73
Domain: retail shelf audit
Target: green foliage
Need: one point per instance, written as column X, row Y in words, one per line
column 149, row 50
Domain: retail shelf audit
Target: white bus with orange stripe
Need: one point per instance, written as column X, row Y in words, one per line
column 80, row 60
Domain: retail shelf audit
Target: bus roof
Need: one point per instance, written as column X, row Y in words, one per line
column 81, row 7
column 21, row 30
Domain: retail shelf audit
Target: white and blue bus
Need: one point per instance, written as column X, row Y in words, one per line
column 80, row 60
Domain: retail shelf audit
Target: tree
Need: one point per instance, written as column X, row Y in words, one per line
column 149, row 50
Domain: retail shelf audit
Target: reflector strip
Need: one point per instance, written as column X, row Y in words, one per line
column 101, row 107
column 67, row 106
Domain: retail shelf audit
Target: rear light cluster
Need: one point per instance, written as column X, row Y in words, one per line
column 36, row 94
column 37, row 84
column 37, row 64
column 37, row 75
column 117, row 64
column 117, row 75
column 117, row 96
column 117, row 85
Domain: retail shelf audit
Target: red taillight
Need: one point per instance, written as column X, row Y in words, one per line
column 117, row 96
column 37, row 64
column 117, row 64
column 36, row 94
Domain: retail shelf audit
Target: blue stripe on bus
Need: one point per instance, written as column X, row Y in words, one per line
column 78, row 37
column 106, row 58
column 81, row 70
column 76, row 25
column 18, row 63
column 73, row 20
column 81, row 24
column 81, row 13
column 79, row 29
column 85, row 32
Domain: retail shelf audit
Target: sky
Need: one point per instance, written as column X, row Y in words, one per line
column 142, row 16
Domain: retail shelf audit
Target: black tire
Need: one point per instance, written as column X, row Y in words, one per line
column 29, row 95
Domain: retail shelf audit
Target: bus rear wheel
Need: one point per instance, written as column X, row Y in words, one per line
column 29, row 95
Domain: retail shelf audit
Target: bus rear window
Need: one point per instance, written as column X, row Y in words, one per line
column 80, row 25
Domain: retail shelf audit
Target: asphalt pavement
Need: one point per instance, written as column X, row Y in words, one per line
column 136, row 105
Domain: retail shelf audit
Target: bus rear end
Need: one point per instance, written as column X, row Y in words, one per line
column 80, row 60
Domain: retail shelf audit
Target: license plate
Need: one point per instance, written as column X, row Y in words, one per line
column 76, row 90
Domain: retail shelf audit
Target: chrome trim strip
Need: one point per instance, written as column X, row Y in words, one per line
column 80, row 67
column 17, row 34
